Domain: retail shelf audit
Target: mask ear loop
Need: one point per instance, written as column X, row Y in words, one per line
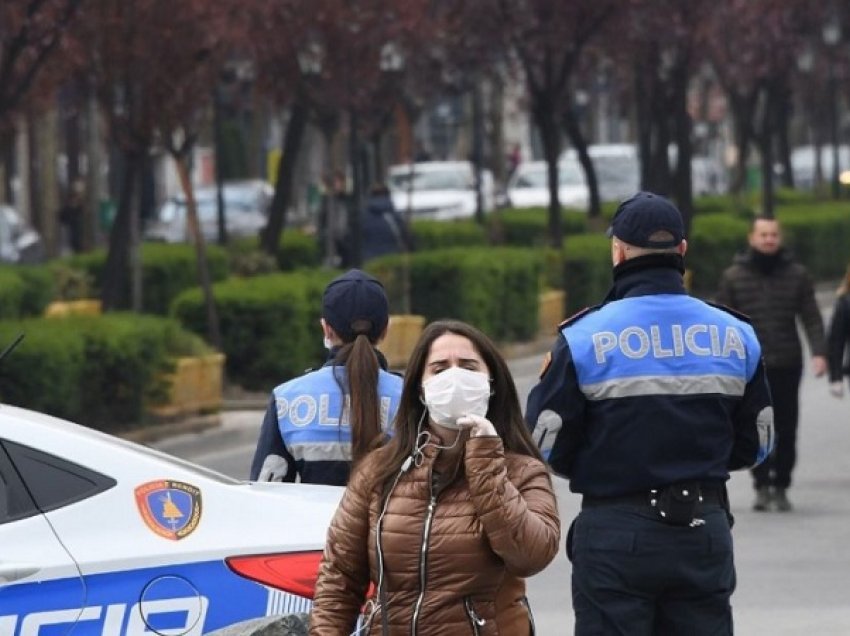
column 417, row 453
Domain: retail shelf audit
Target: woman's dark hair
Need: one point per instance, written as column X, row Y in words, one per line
column 362, row 371
column 503, row 411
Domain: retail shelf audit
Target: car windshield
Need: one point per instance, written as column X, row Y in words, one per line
column 175, row 209
column 616, row 169
column 449, row 180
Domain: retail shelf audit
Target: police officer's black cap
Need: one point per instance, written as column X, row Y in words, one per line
column 644, row 214
column 356, row 303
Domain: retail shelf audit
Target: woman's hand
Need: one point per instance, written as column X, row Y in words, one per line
column 477, row 426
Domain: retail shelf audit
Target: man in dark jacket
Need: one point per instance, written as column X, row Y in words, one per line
column 384, row 231
column 773, row 290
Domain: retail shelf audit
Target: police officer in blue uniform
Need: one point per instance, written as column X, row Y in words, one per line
column 317, row 424
column 645, row 404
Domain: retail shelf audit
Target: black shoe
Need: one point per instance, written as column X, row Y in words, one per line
column 763, row 499
column 781, row 500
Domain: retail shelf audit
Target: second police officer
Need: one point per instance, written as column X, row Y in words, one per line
column 317, row 424
column 646, row 403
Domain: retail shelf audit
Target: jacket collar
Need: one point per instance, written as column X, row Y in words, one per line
column 648, row 274
column 331, row 361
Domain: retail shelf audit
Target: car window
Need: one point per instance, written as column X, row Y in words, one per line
column 52, row 481
column 620, row 169
column 15, row 502
column 430, row 181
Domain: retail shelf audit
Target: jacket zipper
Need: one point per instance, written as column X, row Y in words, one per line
column 530, row 615
column 423, row 554
column 474, row 619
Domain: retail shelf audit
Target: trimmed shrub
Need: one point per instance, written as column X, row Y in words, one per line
column 819, row 235
column 527, row 228
column 712, row 244
column 98, row 371
column 495, row 289
column 587, row 270
column 39, row 288
column 269, row 324
column 433, row 235
column 167, row 269
column 12, row 292
column 296, row 250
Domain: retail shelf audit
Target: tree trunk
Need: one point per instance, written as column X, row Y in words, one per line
column 742, row 114
column 577, row 140
column 783, row 147
column 213, row 329
column 682, row 127
column 295, row 127
column 544, row 117
column 116, row 278
column 765, row 140
column 643, row 119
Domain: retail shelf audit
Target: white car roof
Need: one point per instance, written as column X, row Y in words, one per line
column 430, row 166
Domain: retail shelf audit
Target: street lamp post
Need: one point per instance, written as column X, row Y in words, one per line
column 831, row 34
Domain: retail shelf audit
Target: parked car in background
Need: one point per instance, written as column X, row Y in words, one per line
column 246, row 209
column 99, row 535
column 439, row 190
column 19, row 242
column 528, row 187
column 803, row 160
column 617, row 169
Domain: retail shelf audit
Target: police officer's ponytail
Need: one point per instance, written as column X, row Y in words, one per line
column 362, row 367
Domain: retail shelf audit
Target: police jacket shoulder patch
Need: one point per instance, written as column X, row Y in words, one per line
column 578, row 315
column 739, row 315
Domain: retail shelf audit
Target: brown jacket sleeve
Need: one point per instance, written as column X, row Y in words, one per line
column 519, row 513
column 344, row 571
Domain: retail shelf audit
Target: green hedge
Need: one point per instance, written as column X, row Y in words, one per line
column 819, row 236
column 12, row 290
column 433, row 235
column 269, row 324
column 99, row 371
column 587, row 270
column 495, row 289
column 713, row 242
column 528, row 228
column 167, row 269
column 296, row 250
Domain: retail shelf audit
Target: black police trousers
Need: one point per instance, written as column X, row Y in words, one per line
column 635, row 575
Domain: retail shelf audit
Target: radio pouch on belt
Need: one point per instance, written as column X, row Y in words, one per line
column 677, row 504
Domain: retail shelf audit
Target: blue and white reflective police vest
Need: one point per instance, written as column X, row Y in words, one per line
column 313, row 417
column 663, row 395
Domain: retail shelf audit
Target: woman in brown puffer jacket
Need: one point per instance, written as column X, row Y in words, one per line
column 438, row 529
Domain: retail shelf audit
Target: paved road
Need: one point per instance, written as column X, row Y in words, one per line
column 793, row 569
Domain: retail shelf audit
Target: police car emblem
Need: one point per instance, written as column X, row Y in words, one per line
column 171, row 509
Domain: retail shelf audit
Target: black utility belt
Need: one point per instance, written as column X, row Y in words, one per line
column 676, row 504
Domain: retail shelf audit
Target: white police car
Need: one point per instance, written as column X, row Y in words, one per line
column 103, row 536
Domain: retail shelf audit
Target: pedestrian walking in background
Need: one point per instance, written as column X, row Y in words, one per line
column 445, row 522
column 384, row 230
column 838, row 338
column 645, row 404
column 71, row 217
column 318, row 424
column 773, row 290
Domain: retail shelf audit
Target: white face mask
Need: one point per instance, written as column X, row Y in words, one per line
column 454, row 393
